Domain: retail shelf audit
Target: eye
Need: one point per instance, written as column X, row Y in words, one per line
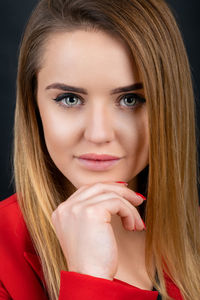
column 132, row 100
column 68, row 100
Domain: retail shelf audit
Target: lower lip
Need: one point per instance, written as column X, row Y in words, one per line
column 98, row 165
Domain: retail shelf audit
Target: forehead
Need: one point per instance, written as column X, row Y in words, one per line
column 88, row 55
column 87, row 46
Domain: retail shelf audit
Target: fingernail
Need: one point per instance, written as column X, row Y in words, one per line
column 144, row 198
column 122, row 182
column 144, row 225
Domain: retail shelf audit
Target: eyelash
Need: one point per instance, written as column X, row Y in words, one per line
column 58, row 99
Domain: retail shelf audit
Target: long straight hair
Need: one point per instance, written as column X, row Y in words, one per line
column 171, row 213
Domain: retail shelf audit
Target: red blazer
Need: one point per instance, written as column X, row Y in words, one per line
column 21, row 275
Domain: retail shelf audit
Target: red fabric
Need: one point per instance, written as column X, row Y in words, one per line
column 21, row 276
column 90, row 288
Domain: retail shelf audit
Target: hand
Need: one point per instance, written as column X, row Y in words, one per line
column 82, row 225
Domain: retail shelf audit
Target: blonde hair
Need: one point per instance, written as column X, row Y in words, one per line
column 171, row 213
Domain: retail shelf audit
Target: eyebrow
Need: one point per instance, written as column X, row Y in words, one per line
column 64, row 87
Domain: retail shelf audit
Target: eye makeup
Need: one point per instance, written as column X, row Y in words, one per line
column 137, row 100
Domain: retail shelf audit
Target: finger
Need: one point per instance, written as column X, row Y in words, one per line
column 116, row 206
column 81, row 206
column 94, row 189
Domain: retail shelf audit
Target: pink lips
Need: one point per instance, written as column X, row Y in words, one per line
column 93, row 156
column 98, row 162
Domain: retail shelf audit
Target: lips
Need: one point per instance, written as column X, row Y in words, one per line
column 98, row 157
column 97, row 165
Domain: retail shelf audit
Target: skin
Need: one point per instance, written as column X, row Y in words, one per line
column 98, row 63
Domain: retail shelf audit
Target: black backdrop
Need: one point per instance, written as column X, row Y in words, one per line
column 13, row 17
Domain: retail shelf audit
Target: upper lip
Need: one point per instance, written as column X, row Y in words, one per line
column 94, row 156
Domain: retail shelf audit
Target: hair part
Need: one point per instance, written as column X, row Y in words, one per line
column 150, row 32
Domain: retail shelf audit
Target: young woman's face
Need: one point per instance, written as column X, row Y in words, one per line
column 98, row 119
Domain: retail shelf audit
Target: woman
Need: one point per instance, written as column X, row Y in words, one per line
column 75, row 220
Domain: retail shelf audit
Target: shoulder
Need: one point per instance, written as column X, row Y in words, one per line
column 13, row 230
column 20, row 266
column 9, row 211
column 8, row 201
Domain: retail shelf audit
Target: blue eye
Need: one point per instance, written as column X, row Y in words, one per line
column 69, row 100
column 132, row 100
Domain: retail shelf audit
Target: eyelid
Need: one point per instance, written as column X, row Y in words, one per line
column 61, row 96
column 130, row 94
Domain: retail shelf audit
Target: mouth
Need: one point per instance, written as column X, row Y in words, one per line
column 99, row 157
column 98, row 165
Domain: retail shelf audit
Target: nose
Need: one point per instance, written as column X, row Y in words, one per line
column 99, row 125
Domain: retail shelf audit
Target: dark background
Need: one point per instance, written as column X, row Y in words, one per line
column 13, row 17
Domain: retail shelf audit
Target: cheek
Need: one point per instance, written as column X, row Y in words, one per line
column 137, row 130
column 137, row 139
column 57, row 131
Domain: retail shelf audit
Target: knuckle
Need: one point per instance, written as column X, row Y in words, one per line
column 75, row 209
column 61, row 210
column 90, row 211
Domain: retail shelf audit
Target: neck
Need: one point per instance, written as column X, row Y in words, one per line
column 131, row 254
